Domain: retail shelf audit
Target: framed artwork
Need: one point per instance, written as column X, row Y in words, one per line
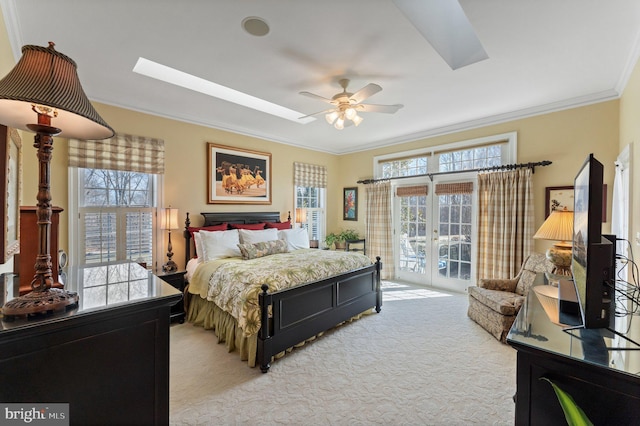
column 238, row 176
column 350, row 203
column 10, row 173
column 559, row 197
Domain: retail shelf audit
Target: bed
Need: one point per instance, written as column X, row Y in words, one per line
column 264, row 306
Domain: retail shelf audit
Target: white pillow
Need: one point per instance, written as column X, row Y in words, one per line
column 248, row 236
column 296, row 238
column 197, row 239
column 220, row 244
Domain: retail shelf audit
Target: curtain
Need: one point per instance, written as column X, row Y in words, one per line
column 379, row 235
column 309, row 175
column 620, row 209
column 505, row 222
column 122, row 152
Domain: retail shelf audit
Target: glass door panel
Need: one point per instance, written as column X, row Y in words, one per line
column 453, row 242
column 411, row 232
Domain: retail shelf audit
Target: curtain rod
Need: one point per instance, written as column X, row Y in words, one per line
column 531, row 166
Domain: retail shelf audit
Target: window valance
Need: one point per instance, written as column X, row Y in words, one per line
column 309, row 175
column 121, row 152
column 454, row 188
column 412, row 191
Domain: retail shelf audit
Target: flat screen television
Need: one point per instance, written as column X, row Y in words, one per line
column 593, row 259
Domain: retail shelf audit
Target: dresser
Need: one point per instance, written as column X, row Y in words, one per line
column 599, row 369
column 108, row 358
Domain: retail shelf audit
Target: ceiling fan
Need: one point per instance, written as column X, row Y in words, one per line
column 346, row 105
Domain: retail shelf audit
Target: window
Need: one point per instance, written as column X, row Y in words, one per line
column 458, row 156
column 312, row 199
column 474, row 158
column 434, row 211
column 116, row 211
column 310, row 182
column 405, row 167
column 115, row 186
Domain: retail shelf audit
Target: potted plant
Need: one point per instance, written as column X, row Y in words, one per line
column 331, row 239
column 339, row 239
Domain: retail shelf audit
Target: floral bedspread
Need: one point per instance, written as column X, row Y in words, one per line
column 234, row 284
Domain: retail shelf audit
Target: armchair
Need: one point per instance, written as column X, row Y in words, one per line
column 494, row 303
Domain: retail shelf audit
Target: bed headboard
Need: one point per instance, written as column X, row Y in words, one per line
column 217, row 218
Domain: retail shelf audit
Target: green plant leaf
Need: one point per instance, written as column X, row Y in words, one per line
column 572, row 412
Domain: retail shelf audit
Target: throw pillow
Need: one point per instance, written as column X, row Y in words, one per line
column 261, row 249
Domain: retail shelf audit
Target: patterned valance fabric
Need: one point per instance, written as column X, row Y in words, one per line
column 412, row 191
column 121, row 152
column 309, row 175
column 454, row 188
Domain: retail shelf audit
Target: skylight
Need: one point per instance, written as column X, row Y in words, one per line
column 179, row 78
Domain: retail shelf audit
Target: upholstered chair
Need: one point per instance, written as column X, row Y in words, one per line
column 494, row 303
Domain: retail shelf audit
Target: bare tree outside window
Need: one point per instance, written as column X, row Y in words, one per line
column 116, row 212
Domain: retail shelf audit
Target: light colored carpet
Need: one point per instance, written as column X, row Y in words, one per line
column 420, row 361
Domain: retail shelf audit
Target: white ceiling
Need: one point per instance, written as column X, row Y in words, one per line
column 544, row 55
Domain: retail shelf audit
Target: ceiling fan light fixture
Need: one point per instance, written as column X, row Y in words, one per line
column 357, row 120
column 339, row 123
column 331, row 117
column 350, row 113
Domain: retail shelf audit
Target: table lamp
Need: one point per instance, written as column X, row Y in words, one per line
column 301, row 216
column 558, row 227
column 169, row 221
column 44, row 87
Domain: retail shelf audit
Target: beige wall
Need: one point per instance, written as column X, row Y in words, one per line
column 563, row 137
column 629, row 135
column 185, row 178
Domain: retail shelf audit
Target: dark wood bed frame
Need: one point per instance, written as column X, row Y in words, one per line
column 301, row 312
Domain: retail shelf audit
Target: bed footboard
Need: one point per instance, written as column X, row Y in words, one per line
column 301, row 312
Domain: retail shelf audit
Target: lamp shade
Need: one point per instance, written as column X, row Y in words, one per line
column 558, row 226
column 49, row 78
column 301, row 215
column 169, row 219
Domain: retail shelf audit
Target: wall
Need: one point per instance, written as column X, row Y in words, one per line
column 185, row 178
column 629, row 135
column 563, row 137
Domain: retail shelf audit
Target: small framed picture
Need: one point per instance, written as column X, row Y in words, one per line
column 350, row 203
column 559, row 197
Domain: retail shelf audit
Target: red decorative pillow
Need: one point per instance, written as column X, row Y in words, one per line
column 221, row 227
column 279, row 225
column 250, row 226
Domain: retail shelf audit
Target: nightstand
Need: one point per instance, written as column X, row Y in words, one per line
column 176, row 280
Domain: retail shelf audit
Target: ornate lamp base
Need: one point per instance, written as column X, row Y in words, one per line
column 560, row 256
column 36, row 302
column 170, row 266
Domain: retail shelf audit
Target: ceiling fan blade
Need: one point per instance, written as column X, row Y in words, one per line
column 318, row 97
column 326, row 111
column 362, row 94
column 388, row 109
column 444, row 24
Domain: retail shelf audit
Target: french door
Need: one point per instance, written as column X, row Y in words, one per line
column 434, row 233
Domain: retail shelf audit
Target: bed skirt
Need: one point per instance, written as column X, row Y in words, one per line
column 206, row 314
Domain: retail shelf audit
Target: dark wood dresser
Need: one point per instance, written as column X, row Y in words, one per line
column 108, row 358
column 599, row 369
